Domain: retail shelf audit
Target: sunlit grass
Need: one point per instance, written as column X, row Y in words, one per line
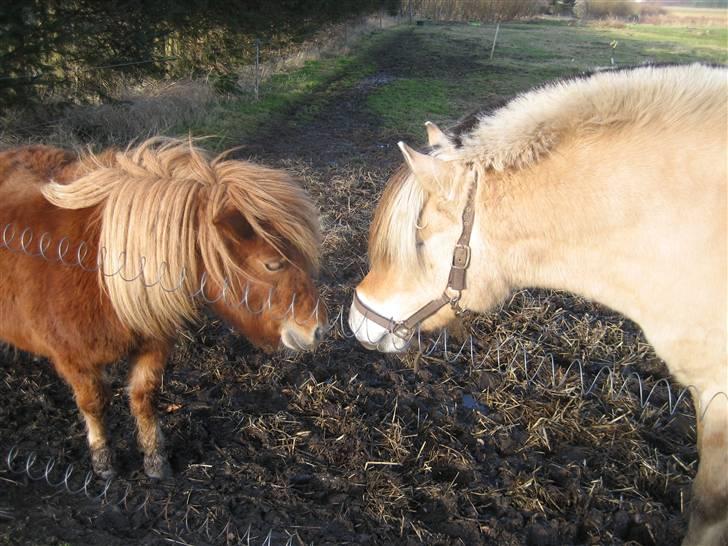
column 527, row 54
column 231, row 119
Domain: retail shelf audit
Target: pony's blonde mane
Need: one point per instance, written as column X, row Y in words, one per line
column 531, row 126
column 159, row 205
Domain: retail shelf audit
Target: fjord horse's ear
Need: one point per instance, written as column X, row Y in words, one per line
column 434, row 174
column 435, row 137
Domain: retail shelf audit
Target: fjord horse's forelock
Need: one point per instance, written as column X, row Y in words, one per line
column 163, row 214
column 393, row 236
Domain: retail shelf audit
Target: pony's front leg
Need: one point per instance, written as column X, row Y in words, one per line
column 92, row 394
column 709, row 506
column 144, row 382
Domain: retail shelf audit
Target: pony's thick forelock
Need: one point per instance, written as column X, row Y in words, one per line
column 159, row 205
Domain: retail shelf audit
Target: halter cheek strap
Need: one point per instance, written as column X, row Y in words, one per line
column 456, row 281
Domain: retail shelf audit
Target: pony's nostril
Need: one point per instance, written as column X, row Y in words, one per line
column 319, row 334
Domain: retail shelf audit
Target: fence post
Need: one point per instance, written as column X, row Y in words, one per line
column 410, row 11
column 257, row 69
column 495, row 38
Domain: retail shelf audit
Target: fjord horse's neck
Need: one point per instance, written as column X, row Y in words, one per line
column 571, row 223
column 630, row 223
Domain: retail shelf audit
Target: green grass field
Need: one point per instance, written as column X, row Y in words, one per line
column 234, row 119
column 453, row 74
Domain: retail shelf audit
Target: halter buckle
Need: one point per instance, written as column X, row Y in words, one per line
column 455, row 303
column 452, row 300
column 400, row 330
column 461, row 256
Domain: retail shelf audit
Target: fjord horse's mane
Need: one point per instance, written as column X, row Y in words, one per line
column 162, row 208
column 530, row 126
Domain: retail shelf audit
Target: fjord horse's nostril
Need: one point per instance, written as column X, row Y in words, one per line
column 319, row 334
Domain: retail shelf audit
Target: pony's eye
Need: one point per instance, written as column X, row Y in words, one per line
column 276, row 265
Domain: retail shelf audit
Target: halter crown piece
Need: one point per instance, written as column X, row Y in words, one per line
column 456, row 281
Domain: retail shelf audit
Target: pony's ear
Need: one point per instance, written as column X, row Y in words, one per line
column 434, row 174
column 231, row 221
column 435, row 137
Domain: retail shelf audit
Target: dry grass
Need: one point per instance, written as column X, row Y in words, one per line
column 469, row 10
column 349, row 446
column 136, row 113
column 624, row 9
column 694, row 17
column 335, row 40
column 547, row 403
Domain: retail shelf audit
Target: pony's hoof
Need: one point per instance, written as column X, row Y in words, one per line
column 102, row 461
column 157, row 467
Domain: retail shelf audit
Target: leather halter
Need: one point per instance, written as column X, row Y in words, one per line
column 456, row 281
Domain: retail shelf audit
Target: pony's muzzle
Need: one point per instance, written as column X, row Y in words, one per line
column 298, row 338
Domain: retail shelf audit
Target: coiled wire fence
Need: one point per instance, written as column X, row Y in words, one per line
column 71, row 254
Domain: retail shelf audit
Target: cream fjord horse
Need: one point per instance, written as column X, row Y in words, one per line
column 611, row 186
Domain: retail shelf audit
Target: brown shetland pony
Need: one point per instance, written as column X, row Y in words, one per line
column 612, row 186
column 122, row 242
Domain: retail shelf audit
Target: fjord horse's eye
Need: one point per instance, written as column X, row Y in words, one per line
column 275, row 265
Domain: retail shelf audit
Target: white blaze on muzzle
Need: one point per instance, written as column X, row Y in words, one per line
column 372, row 335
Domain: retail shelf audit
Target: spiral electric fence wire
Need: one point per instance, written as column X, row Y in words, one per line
column 71, row 254
column 21, row 241
column 27, row 467
column 65, row 478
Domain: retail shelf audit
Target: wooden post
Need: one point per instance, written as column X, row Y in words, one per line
column 257, row 69
column 495, row 38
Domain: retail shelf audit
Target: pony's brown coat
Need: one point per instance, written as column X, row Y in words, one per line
column 168, row 202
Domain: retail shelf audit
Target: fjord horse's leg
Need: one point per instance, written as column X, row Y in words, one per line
column 144, row 382
column 709, row 506
column 92, row 396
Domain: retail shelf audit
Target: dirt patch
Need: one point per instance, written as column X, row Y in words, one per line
column 345, row 446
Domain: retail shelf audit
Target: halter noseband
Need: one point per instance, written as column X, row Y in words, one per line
column 455, row 282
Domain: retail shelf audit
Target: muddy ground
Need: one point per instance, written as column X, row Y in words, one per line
column 345, row 446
